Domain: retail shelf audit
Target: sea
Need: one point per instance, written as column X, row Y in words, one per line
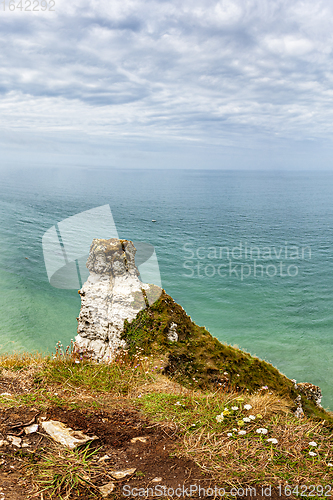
column 249, row 255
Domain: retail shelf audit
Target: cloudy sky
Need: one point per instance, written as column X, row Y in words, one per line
column 159, row 83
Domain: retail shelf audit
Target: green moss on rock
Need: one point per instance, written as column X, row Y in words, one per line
column 199, row 359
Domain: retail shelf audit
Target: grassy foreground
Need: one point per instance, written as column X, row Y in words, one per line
column 236, row 437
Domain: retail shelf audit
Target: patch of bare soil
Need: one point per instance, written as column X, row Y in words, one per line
column 155, row 470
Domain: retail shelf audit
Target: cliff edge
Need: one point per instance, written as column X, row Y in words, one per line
column 118, row 311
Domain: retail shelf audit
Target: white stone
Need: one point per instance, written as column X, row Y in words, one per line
column 311, row 392
column 105, row 457
column 120, row 474
column 112, row 294
column 30, row 429
column 16, row 441
column 65, row 435
column 106, row 489
column 172, row 333
column 142, row 439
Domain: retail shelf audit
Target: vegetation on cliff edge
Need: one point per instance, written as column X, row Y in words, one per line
column 199, row 360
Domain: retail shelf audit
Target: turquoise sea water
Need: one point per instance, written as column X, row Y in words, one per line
column 283, row 314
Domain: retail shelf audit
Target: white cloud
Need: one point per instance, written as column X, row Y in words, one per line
column 289, row 45
column 214, row 72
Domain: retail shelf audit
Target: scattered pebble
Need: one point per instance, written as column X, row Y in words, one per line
column 30, row 429
column 142, row 439
column 65, row 435
column 106, row 489
column 16, row 441
column 120, row 474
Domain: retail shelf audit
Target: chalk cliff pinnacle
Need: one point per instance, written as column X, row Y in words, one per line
column 112, row 293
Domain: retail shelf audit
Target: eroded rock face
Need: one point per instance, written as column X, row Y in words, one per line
column 112, row 293
column 311, row 392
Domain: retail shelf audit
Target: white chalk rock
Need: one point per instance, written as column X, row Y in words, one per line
column 65, row 435
column 172, row 333
column 106, row 489
column 15, row 440
column 120, row 474
column 30, row 429
column 112, row 294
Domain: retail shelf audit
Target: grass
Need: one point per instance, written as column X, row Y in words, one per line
column 20, row 360
column 62, row 472
column 233, row 450
column 229, row 448
column 199, row 361
column 120, row 377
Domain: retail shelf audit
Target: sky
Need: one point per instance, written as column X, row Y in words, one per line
column 229, row 84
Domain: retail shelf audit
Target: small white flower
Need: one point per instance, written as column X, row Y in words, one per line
column 246, row 419
column 225, row 373
column 261, row 430
column 234, row 408
column 252, row 417
column 178, row 403
column 247, row 407
column 329, row 464
column 219, row 418
column 312, row 453
column 229, row 434
column 272, row 440
column 241, row 433
column 235, row 430
column 312, row 443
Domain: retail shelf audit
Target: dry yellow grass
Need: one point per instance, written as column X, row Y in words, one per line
column 162, row 384
column 251, row 458
column 267, row 404
column 19, row 360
